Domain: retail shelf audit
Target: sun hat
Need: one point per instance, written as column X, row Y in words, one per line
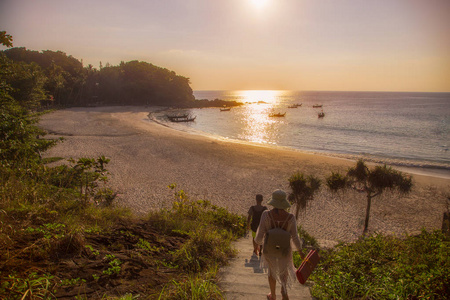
column 279, row 200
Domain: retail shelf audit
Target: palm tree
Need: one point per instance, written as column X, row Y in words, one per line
column 303, row 190
column 372, row 182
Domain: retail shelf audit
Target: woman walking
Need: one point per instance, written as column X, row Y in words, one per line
column 275, row 232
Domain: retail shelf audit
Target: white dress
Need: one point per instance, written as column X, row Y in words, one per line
column 282, row 269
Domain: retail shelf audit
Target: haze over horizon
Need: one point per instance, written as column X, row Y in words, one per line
column 347, row 45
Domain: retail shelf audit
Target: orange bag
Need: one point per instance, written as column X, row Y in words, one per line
column 308, row 265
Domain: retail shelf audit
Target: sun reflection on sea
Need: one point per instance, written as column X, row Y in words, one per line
column 256, row 124
column 261, row 96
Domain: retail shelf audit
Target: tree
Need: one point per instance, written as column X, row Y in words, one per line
column 373, row 182
column 303, row 190
column 6, row 39
column 67, row 83
column 27, row 82
column 20, row 144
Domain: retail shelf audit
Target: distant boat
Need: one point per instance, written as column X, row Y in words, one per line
column 317, row 105
column 321, row 114
column 174, row 117
column 225, row 109
column 186, row 119
column 295, row 105
column 277, row 115
column 181, row 118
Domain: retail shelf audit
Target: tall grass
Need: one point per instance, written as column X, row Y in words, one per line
column 199, row 287
column 42, row 209
column 210, row 229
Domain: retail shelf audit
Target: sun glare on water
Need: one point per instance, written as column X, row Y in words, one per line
column 257, row 126
column 254, row 96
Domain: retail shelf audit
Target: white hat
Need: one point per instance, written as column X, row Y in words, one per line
column 279, row 200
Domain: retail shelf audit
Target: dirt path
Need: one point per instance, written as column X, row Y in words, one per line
column 244, row 279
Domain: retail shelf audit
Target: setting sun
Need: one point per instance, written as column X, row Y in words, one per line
column 259, row 4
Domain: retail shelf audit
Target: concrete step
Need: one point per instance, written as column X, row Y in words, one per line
column 244, row 278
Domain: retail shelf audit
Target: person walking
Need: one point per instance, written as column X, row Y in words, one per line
column 253, row 219
column 275, row 232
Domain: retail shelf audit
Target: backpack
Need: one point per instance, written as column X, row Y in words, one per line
column 256, row 217
column 277, row 241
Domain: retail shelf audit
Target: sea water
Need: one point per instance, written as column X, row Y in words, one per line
column 397, row 128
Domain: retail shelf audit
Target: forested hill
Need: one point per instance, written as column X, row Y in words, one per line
column 56, row 78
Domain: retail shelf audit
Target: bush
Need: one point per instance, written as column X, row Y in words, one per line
column 385, row 267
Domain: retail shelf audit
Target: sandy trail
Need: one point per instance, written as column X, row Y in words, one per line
column 146, row 157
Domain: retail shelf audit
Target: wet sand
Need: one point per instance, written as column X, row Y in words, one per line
column 146, row 157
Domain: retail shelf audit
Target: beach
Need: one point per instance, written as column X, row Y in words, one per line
column 146, row 157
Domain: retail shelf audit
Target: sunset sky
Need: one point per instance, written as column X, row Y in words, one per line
column 369, row 45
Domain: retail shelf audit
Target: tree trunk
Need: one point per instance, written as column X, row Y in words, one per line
column 446, row 223
column 366, row 222
column 297, row 210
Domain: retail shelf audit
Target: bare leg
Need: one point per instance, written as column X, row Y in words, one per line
column 284, row 294
column 272, row 285
column 255, row 247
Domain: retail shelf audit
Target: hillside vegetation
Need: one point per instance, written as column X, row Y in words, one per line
column 61, row 234
column 55, row 78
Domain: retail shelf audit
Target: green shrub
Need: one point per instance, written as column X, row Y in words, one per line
column 385, row 267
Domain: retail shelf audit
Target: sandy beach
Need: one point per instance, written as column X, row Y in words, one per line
column 146, row 157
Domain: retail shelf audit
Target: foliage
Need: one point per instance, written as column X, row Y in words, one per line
column 44, row 225
column 34, row 286
column 337, row 181
column 373, row 182
column 20, row 142
column 193, row 287
column 27, row 82
column 114, row 265
column 309, row 242
column 380, row 178
column 210, row 230
column 303, row 190
column 66, row 82
column 6, row 39
column 89, row 172
column 205, row 212
column 385, row 267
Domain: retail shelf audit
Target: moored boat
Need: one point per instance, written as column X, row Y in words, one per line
column 186, row 119
column 295, row 105
column 277, row 115
column 174, row 117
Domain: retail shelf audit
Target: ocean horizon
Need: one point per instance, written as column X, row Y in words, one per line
column 404, row 129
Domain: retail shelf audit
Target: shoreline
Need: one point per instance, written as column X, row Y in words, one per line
column 415, row 168
column 146, row 157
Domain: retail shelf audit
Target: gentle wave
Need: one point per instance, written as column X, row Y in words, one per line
column 400, row 129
